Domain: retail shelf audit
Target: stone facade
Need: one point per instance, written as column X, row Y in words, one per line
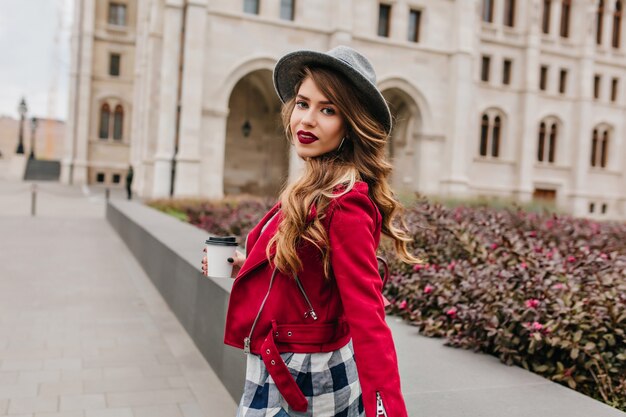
column 476, row 115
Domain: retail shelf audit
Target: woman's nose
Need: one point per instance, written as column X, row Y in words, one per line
column 308, row 118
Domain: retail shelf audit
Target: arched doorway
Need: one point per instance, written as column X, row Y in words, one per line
column 403, row 147
column 256, row 155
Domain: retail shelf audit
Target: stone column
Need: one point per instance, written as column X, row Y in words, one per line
column 187, row 181
column 212, row 149
column 555, row 19
column 583, row 109
column 77, row 136
column 607, row 24
column 399, row 21
column 341, row 24
column 460, row 98
column 527, row 142
column 168, row 97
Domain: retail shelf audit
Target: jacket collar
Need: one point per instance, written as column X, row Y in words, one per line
column 257, row 241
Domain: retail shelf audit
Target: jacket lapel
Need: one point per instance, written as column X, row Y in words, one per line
column 257, row 242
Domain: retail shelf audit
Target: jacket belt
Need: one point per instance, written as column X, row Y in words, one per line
column 276, row 367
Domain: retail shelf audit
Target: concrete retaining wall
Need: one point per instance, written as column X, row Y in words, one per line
column 170, row 251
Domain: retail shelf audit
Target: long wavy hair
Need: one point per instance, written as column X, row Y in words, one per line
column 361, row 157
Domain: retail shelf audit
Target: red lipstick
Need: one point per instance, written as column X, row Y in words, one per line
column 306, row 137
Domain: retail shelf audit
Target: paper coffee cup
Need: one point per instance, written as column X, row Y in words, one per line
column 218, row 250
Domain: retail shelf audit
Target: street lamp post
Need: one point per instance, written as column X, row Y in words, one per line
column 22, row 109
column 33, row 125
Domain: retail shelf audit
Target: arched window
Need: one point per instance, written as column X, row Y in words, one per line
column 546, row 148
column 491, row 125
column 552, row 147
column 600, row 19
column 118, row 123
column 105, row 113
column 604, row 149
column 617, row 23
column 509, row 13
column 484, row 133
column 600, row 143
column 566, row 8
column 488, row 10
column 594, row 146
column 542, row 141
column 495, row 138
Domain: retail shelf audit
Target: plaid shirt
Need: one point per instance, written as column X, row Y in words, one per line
column 329, row 381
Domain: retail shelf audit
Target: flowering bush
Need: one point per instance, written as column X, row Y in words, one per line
column 543, row 291
column 546, row 292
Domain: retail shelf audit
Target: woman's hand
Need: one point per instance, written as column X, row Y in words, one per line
column 237, row 262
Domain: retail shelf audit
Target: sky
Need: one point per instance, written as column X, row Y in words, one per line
column 32, row 64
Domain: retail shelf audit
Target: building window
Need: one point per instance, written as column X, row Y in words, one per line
column 600, row 148
column 506, row 71
column 100, row 177
column 490, row 134
column 488, row 11
column 509, row 13
column 543, row 194
column 614, row 87
column 117, row 14
column 566, row 8
column 484, row 69
column 604, row 208
column 592, row 207
column 596, row 86
column 543, row 78
column 287, row 9
column 547, row 153
column 415, row 18
column 545, row 23
column 384, row 16
column 105, row 115
column 563, row 81
column 116, row 178
column 114, row 65
column 617, row 24
column 599, row 21
column 251, row 6
column 118, row 123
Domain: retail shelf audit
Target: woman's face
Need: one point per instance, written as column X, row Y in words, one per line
column 316, row 125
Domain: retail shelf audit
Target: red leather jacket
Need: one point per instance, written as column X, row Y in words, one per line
column 348, row 306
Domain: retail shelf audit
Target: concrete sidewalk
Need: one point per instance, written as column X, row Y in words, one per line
column 83, row 333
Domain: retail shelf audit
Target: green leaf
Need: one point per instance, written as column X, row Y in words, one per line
column 574, row 353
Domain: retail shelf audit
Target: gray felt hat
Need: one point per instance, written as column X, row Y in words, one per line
column 354, row 66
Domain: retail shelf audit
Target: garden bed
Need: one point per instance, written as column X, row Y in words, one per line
column 543, row 291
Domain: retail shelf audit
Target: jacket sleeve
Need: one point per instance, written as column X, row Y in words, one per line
column 355, row 267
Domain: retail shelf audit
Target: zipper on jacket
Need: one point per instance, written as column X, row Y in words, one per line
column 311, row 311
column 246, row 340
column 380, row 407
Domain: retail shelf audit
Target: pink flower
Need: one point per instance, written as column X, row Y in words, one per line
column 428, row 289
column 571, row 258
column 604, row 256
column 451, row 266
column 494, row 246
column 550, row 254
column 532, row 303
column 532, row 234
column 417, row 267
column 558, row 286
column 451, row 312
column 523, row 265
column 403, row 304
column 537, row 326
column 538, row 249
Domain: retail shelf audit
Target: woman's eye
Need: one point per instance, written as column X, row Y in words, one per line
column 328, row 111
column 301, row 104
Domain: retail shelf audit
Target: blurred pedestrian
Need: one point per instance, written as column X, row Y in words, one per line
column 129, row 181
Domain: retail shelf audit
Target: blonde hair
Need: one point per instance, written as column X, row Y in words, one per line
column 362, row 157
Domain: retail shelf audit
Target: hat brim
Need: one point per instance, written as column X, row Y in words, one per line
column 287, row 74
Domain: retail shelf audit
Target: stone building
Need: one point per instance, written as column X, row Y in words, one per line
column 522, row 99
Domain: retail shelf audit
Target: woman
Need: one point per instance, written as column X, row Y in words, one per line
column 306, row 304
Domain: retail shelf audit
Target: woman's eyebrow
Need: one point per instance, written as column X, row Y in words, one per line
column 308, row 99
